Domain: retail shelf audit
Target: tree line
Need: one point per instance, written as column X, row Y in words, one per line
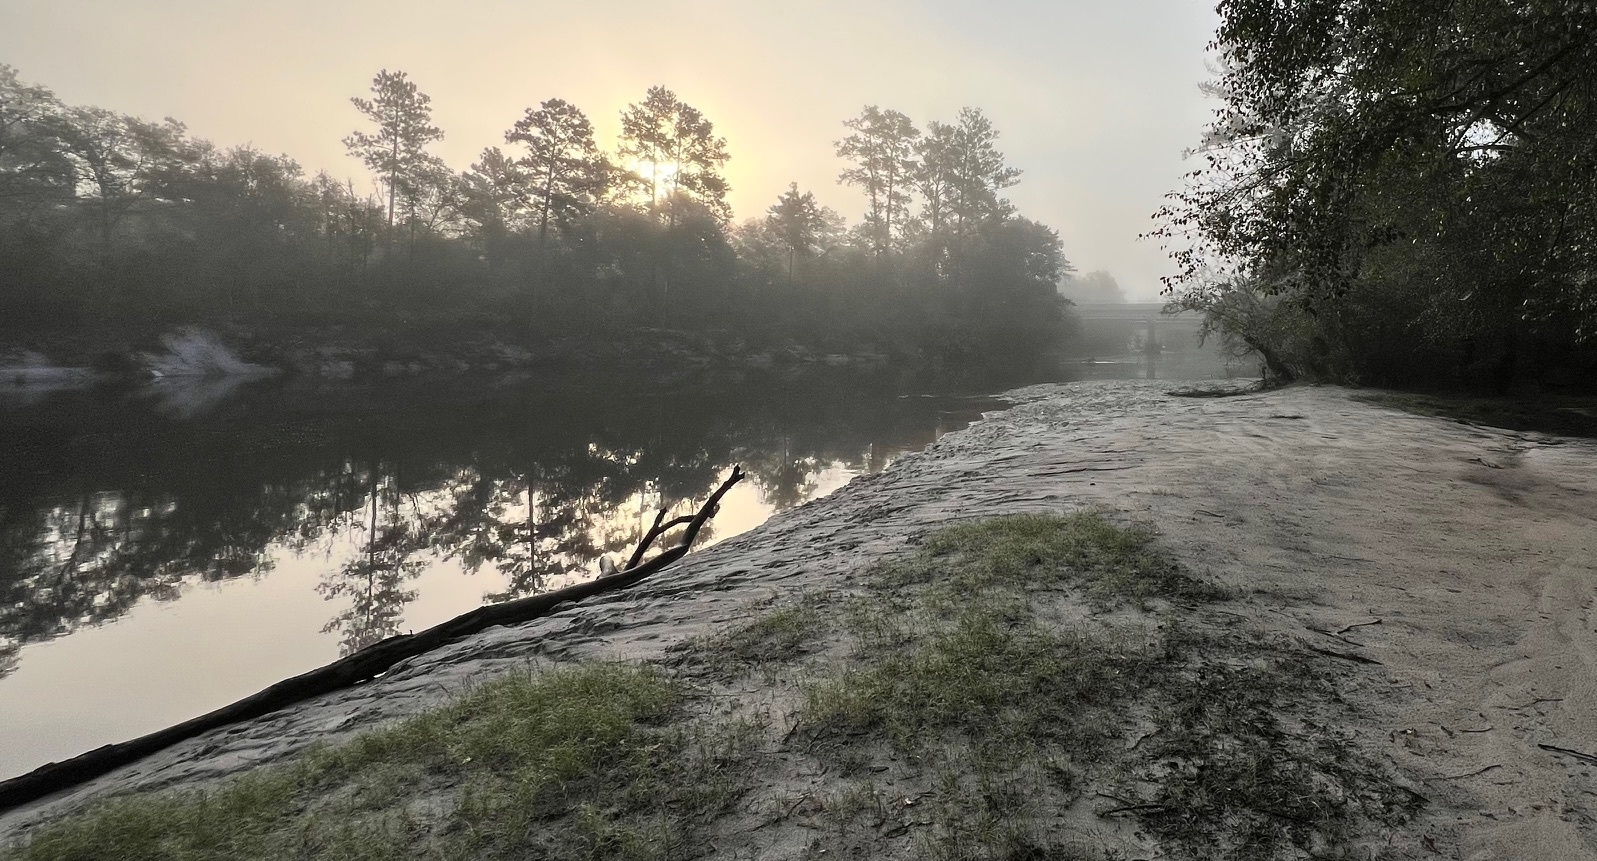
column 1399, row 193
column 108, row 217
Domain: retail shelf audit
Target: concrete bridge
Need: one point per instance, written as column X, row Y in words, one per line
column 1150, row 314
column 1134, row 311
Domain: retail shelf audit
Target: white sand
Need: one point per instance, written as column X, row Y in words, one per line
column 1474, row 548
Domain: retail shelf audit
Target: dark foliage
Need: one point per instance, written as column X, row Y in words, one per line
column 111, row 219
column 1400, row 192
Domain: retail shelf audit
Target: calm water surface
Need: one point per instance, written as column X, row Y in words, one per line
column 167, row 551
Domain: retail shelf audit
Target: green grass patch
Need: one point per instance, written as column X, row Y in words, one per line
column 587, row 762
column 1005, row 687
column 1209, row 739
column 1564, row 415
column 775, row 637
column 1112, row 564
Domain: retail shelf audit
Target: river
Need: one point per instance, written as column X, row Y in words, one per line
column 167, row 550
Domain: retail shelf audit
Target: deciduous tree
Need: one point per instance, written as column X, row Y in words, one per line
column 34, row 167
column 1427, row 158
column 120, row 160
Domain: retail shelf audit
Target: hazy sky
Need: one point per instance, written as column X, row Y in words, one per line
column 1095, row 99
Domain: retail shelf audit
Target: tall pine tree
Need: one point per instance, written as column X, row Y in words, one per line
column 397, row 150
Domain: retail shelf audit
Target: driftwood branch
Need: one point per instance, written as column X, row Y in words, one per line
column 654, row 533
column 362, row 666
column 1580, row 755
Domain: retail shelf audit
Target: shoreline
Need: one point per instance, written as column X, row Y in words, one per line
column 1472, row 547
column 241, row 352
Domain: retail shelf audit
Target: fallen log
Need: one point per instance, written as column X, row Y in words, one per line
column 362, row 666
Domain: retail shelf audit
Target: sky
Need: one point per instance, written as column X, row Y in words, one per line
column 1096, row 100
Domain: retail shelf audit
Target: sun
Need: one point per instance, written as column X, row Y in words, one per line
column 661, row 174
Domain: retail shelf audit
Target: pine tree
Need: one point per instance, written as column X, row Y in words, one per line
column 882, row 149
column 565, row 170
column 397, row 151
column 676, row 147
column 799, row 222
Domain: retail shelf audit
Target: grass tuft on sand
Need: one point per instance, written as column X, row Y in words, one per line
column 1008, row 687
column 580, row 763
column 1112, row 564
column 771, row 639
column 966, row 673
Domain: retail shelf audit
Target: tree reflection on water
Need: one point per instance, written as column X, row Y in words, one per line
column 109, row 501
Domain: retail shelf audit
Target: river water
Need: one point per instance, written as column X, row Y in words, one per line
column 166, row 551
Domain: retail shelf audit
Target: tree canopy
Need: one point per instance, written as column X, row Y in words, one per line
column 881, row 147
column 565, row 172
column 1410, row 178
column 677, row 152
column 109, row 217
column 397, row 149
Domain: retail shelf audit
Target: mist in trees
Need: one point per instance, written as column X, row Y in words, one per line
column 1399, row 192
column 1095, row 287
column 674, row 149
column 881, row 148
column 107, row 219
column 801, row 225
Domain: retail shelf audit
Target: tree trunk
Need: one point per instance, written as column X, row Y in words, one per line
column 1272, row 360
column 543, row 223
